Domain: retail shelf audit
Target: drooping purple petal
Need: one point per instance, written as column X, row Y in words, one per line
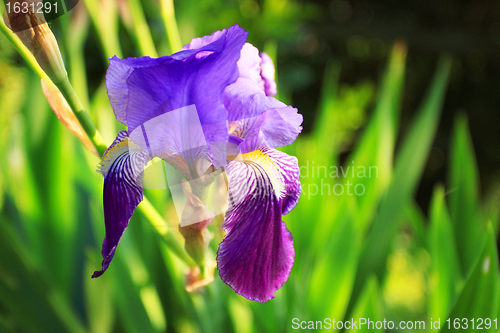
column 256, row 256
column 122, row 168
column 143, row 89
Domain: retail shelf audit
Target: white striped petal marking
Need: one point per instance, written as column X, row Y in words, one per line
column 122, row 167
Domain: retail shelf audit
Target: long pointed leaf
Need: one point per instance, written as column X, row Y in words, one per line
column 445, row 268
column 464, row 207
column 409, row 167
column 478, row 299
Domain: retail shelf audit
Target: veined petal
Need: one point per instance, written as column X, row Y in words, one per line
column 256, row 256
column 267, row 73
column 199, row 42
column 116, row 82
column 280, row 127
column 122, row 167
column 249, row 65
column 143, row 89
column 251, row 94
column 245, row 99
column 289, row 167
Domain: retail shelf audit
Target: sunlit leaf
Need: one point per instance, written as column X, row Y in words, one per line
column 463, row 187
column 409, row 167
column 334, row 271
column 478, row 299
column 98, row 300
column 369, row 305
column 375, row 149
column 446, row 277
column 417, row 223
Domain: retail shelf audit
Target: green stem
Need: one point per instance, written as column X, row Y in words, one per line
column 80, row 113
column 203, row 271
column 159, row 224
column 168, row 15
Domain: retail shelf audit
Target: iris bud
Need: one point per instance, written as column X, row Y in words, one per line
column 34, row 32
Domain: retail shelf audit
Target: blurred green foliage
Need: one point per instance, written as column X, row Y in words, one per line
column 372, row 255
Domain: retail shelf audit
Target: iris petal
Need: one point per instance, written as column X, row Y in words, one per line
column 142, row 89
column 289, row 168
column 116, row 82
column 245, row 99
column 256, row 256
column 249, row 65
column 199, row 42
column 267, row 73
column 250, row 95
column 279, row 127
column 122, row 168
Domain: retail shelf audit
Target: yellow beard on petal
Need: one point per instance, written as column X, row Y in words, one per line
column 271, row 169
column 115, row 151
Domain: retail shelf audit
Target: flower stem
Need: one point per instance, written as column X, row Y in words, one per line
column 159, row 224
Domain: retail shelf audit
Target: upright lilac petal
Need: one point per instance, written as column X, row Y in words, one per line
column 199, row 42
column 280, row 127
column 257, row 67
column 251, row 94
column 256, row 256
column 249, row 64
column 245, row 99
column 252, row 143
column 267, row 73
column 122, row 168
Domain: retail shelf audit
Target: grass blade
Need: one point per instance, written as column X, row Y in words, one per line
column 409, row 167
column 479, row 295
column 369, row 305
column 445, row 273
column 464, row 207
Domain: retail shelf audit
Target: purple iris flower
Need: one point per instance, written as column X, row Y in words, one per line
column 211, row 102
